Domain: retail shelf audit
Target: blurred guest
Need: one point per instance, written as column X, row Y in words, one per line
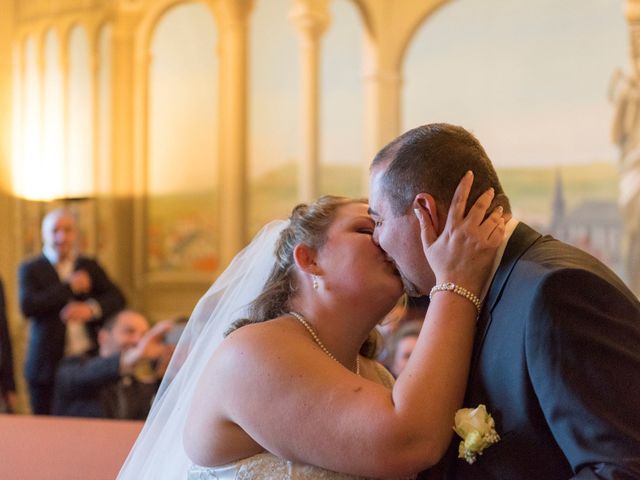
column 66, row 297
column 406, row 310
column 120, row 379
column 402, row 345
column 7, row 380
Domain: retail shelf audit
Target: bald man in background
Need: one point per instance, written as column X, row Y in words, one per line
column 66, row 297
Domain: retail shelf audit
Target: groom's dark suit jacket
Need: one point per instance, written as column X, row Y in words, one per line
column 557, row 363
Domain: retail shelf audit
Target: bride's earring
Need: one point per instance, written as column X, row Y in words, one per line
column 316, row 285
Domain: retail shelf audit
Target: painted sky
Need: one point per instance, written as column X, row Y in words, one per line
column 530, row 78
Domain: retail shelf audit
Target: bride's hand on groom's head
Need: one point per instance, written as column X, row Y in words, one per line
column 465, row 251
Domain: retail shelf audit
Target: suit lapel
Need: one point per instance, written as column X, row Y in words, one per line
column 521, row 240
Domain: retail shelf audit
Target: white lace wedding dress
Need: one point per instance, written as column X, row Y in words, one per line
column 265, row 466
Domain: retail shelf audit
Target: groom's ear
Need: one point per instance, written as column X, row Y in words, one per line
column 305, row 258
column 426, row 203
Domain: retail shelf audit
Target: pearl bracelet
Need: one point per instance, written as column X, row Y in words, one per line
column 463, row 292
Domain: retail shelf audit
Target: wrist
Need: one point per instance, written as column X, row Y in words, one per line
column 458, row 290
column 474, row 284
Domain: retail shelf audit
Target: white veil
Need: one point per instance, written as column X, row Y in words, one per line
column 158, row 452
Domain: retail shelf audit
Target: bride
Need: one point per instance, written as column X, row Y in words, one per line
column 292, row 391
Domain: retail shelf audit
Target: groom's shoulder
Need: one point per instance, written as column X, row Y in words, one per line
column 549, row 261
column 552, row 269
column 554, row 254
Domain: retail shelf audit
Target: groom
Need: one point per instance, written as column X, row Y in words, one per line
column 557, row 352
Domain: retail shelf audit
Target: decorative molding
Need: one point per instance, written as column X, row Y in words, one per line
column 48, row 10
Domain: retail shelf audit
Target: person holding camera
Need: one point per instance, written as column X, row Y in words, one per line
column 120, row 379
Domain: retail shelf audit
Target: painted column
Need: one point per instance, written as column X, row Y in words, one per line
column 233, row 16
column 311, row 18
column 383, row 89
column 391, row 26
column 123, row 135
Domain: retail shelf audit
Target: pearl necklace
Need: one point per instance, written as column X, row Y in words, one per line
column 316, row 339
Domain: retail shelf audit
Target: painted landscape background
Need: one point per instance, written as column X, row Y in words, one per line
column 184, row 227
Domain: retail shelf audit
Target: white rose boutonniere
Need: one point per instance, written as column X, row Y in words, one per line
column 477, row 429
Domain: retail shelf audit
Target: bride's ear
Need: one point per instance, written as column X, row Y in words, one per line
column 305, row 258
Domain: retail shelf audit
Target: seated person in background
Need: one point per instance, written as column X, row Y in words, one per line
column 119, row 381
column 7, row 380
column 66, row 296
column 407, row 310
column 402, row 344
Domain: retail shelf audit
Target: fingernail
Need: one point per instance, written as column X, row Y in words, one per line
column 500, row 209
column 469, row 173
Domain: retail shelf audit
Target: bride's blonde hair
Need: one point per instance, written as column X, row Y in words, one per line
column 308, row 224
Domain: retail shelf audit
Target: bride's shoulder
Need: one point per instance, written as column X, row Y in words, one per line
column 255, row 341
column 260, row 332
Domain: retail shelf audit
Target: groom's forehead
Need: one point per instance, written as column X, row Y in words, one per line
column 377, row 191
column 378, row 206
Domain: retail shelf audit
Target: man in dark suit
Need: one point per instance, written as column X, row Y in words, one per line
column 556, row 358
column 7, row 380
column 118, row 380
column 66, row 296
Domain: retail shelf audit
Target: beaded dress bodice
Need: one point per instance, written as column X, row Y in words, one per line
column 265, row 466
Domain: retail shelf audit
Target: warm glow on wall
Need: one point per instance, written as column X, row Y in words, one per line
column 34, row 170
column 78, row 167
column 49, row 160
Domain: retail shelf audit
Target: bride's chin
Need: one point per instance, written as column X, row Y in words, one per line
column 398, row 288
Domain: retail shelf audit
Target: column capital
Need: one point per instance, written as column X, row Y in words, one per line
column 233, row 12
column 311, row 17
column 128, row 6
column 632, row 11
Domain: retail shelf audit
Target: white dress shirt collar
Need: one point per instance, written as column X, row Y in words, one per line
column 508, row 231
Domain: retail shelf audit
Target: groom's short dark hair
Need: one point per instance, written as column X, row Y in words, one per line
column 432, row 159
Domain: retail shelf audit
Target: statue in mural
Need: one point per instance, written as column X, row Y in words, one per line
column 625, row 94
